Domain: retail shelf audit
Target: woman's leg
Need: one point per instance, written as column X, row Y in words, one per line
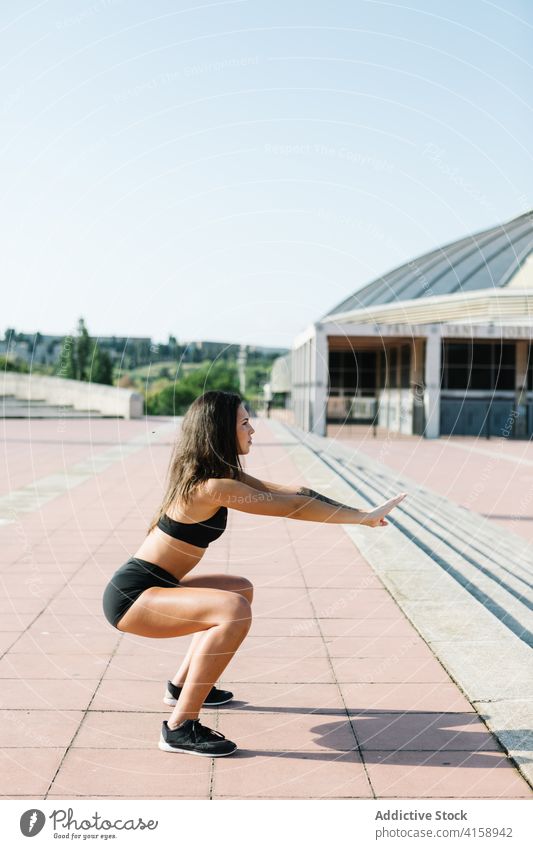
column 224, row 616
column 231, row 583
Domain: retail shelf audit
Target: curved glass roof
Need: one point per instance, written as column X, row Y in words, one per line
column 485, row 260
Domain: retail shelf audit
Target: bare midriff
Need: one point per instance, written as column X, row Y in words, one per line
column 173, row 555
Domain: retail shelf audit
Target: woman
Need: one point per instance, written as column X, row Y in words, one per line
column 152, row 595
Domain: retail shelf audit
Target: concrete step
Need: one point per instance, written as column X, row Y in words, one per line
column 12, row 407
column 468, row 526
column 463, row 531
column 46, row 412
column 506, row 601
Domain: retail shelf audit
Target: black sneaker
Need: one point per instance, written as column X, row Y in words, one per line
column 214, row 697
column 194, row 738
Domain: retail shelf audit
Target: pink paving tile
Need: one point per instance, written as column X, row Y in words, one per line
column 27, row 569
column 156, row 667
column 21, row 605
column 116, row 695
column 445, row 775
column 74, row 606
column 295, row 646
column 15, row 622
column 377, row 647
column 25, row 796
column 163, row 649
column 52, row 666
column 294, row 606
column 266, row 580
column 257, row 732
column 78, row 626
column 83, row 591
column 391, row 668
column 129, row 796
column 137, row 771
column 31, row 584
column 38, row 641
column 43, row 694
column 8, row 639
column 367, row 626
column 28, row 771
column 319, row 562
column 430, row 732
column 119, row 730
column 285, row 698
column 342, row 579
column 400, row 696
column 265, row 626
column 300, row 775
column 42, row 558
column 353, row 602
column 307, row 670
column 43, row 728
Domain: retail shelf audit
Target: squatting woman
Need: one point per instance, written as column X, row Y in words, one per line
column 154, row 595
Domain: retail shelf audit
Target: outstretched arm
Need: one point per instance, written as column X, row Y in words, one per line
column 269, row 486
column 311, row 493
column 239, row 496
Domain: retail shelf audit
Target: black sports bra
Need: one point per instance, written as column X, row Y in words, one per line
column 198, row 533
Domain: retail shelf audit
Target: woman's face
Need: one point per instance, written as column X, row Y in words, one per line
column 244, row 430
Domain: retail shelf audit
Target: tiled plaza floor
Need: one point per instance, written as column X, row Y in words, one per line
column 336, row 694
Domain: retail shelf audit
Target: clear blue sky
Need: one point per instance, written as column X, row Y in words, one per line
column 231, row 170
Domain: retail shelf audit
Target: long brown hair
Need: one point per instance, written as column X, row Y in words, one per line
column 206, row 448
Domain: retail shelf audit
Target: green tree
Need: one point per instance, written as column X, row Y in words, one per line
column 101, row 367
column 81, row 358
column 66, row 365
column 174, row 399
column 83, row 351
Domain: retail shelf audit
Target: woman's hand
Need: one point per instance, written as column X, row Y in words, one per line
column 376, row 517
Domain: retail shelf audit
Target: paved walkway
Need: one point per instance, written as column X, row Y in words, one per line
column 337, row 696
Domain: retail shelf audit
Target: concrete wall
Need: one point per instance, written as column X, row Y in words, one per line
column 108, row 400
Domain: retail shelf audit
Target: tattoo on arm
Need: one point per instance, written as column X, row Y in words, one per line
column 311, row 493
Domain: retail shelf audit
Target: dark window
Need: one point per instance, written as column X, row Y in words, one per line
column 455, row 378
column 382, row 374
column 335, row 378
column 478, row 365
column 457, row 354
column 354, row 373
column 405, row 367
column 392, row 362
column 481, row 378
column 505, row 378
column 482, row 355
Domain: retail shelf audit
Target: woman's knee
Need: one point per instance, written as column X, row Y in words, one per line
column 236, row 611
column 246, row 589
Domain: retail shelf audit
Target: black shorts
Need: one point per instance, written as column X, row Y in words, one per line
column 128, row 582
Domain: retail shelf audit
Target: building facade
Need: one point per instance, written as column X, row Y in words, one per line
column 441, row 345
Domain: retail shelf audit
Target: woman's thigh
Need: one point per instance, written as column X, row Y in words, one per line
column 177, row 611
column 233, row 583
